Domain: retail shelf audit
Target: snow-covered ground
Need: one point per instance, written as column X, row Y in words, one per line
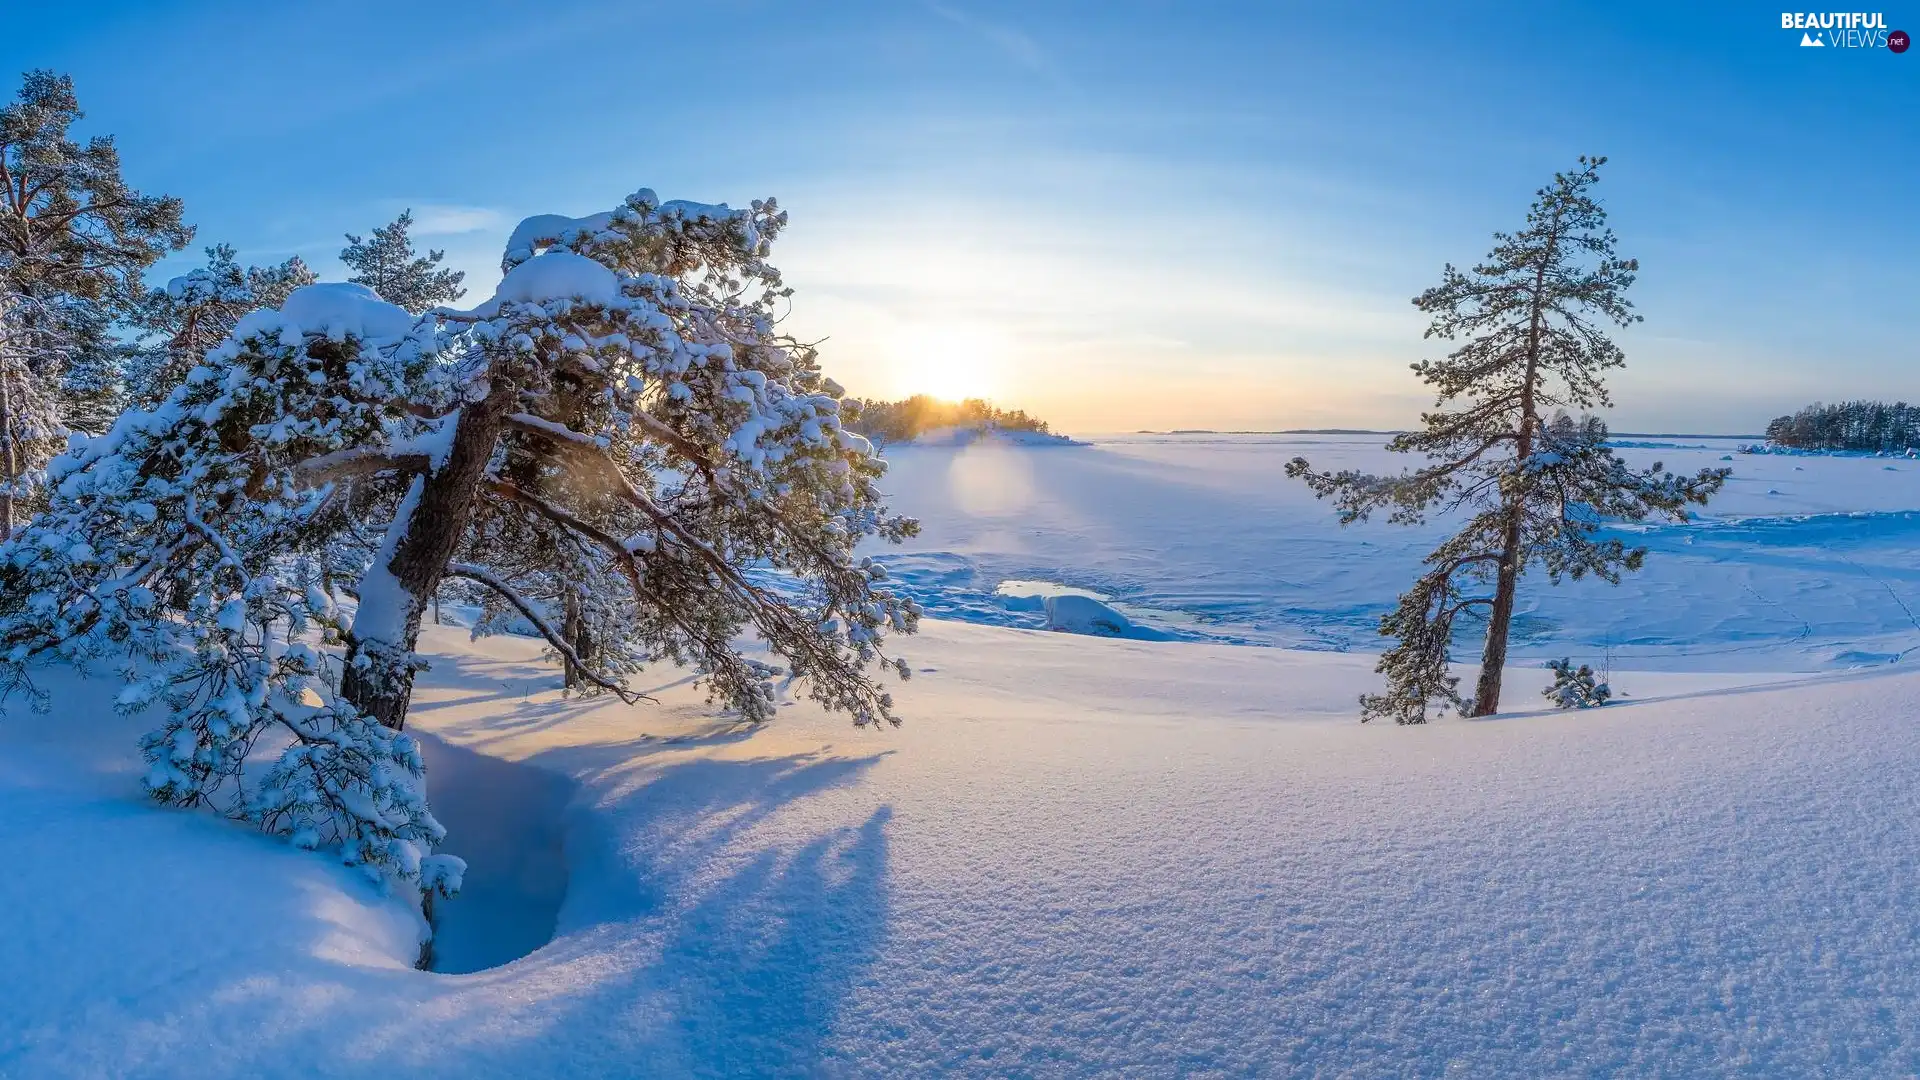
column 1082, row 856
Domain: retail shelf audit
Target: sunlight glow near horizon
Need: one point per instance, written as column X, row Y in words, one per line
column 1139, row 219
column 950, row 363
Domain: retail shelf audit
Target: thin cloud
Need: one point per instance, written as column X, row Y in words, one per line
column 1012, row 43
column 442, row 219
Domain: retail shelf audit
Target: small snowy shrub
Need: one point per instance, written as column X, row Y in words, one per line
column 1575, row 688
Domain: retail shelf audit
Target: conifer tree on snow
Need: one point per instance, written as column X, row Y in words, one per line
column 1531, row 319
column 389, row 265
column 622, row 423
column 196, row 311
column 74, row 240
column 1575, row 688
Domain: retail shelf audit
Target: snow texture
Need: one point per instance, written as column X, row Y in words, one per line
column 1081, row 858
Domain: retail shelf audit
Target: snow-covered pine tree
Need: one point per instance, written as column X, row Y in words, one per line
column 93, row 387
column 1530, row 492
column 1575, row 688
column 622, row 422
column 74, row 239
column 389, row 265
column 31, row 427
column 196, row 311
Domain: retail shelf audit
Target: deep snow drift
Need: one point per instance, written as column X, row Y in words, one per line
column 1083, row 855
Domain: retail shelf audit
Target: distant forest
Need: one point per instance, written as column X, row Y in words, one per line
column 900, row 421
column 1849, row 425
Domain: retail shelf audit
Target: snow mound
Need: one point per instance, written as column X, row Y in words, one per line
column 1085, row 615
column 542, row 230
column 334, row 309
column 552, row 275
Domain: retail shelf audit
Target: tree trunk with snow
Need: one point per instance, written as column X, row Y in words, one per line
column 380, row 666
column 9, row 459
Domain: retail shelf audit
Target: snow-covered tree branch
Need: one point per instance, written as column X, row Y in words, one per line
column 618, row 446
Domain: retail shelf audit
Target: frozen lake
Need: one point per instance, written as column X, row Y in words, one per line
column 1802, row 562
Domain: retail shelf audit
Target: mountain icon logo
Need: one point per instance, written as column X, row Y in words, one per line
column 1808, row 41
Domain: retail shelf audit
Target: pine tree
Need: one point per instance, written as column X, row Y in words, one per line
column 196, row 311
column 389, row 265
column 30, row 408
column 1532, row 492
column 619, row 446
column 1575, row 688
column 74, row 240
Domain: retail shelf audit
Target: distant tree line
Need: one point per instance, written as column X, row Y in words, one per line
column 900, row 421
column 1849, row 425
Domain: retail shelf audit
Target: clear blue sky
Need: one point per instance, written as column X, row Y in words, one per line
column 1120, row 215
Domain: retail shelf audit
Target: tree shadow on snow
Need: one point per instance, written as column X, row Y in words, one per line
column 758, row 968
column 736, row 949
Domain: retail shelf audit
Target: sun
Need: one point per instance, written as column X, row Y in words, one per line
column 947, row 362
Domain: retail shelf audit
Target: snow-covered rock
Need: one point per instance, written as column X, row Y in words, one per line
column 1084, row 615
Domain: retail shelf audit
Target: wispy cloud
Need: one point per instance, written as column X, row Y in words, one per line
column 1011, row 42
column 443, row 219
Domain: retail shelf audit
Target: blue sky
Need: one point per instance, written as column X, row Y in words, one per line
column 1119, row 215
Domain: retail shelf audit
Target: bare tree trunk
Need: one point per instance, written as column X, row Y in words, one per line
column 1486, row 697
column 570, row 629
column 583, row 648
column 379, row 673
column 574, row 629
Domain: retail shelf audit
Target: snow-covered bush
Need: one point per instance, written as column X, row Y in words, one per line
column 1575, row 688
column 618, row 446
